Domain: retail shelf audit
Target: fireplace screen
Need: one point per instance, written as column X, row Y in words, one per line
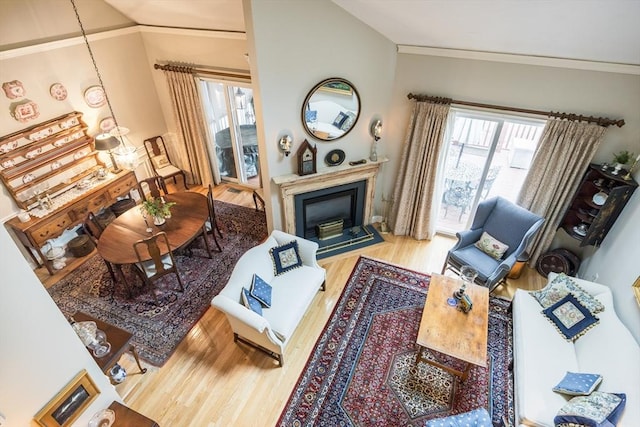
column 344, row 202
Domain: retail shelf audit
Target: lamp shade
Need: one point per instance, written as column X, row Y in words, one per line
column 106, row 142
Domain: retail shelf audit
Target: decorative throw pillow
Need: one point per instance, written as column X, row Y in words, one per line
column 285, row 257
column 562, row 285
column 160, row 161
column 348, row 122
column 491, row 246
column 261, row 290
column 340, row 119
column 599, row 409
column 311, row 116
column 476, row 418
column 250, row 302
column 578, row 384
column 570, row 317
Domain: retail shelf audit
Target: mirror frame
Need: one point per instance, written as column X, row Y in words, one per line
column 313, row 91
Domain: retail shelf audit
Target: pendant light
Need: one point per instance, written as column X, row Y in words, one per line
column 125, row 153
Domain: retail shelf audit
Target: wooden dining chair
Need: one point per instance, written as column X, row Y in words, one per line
column 152, row 187
column 93, row 229
column 212, row 223
column 159, row 265
column 161, row 162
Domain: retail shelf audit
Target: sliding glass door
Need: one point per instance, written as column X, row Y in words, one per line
column 231, row 125
column 485, row 155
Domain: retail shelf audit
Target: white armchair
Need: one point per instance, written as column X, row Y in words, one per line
column 292, row 293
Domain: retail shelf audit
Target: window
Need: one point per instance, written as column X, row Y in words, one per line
column 485, row 155
column 231, row 123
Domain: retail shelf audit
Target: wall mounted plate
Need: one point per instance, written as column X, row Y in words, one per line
column 334, row 157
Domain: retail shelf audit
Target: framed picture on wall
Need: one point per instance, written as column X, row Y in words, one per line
column 69, row 403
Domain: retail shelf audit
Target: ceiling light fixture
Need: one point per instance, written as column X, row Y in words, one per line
column 126, row 153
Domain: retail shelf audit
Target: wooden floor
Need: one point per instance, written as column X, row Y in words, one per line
column 212, row 381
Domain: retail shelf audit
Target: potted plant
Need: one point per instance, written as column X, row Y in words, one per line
column 158, row 209
column 623, row 157
column 620, row 159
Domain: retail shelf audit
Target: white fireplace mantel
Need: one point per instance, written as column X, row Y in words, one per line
column 328, row 177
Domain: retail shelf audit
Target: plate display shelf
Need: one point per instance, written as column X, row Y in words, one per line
column 48, row 157
column 597, row 203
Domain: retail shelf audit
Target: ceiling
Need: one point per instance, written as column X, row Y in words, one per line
column 591, row 30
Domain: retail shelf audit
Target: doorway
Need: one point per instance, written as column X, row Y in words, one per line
column 485, row 155
column 231, row 124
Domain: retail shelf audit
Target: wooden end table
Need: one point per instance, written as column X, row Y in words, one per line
column 119, row 339
column 446, row 329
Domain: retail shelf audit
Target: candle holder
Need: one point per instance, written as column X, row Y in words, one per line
column 627, row 177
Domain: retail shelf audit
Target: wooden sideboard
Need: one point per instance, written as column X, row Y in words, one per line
column 34, row 233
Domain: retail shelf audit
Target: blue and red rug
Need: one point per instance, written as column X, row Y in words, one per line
column 362, row 371
column 158, row 328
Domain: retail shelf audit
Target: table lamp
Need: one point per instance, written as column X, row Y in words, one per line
column 107, row 142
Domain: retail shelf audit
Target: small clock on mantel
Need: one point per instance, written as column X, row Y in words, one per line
column 306, row 155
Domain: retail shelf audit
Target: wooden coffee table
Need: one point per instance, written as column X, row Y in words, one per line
column 446, row 329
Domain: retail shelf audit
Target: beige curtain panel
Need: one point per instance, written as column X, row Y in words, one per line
column 187, row 110
column 411, row 213
column 564, row 152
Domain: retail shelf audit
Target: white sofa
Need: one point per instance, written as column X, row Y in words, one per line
column 292, row 293
column 327, row 112
column 542, row 357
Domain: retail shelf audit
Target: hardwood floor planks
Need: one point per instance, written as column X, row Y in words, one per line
column 212, row 381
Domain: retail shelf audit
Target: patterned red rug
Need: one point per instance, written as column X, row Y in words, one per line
column 362, row 371
column 159, row 328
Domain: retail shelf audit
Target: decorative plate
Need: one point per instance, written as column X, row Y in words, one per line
column 13, row 89
column 334, row 157
column 578, row 231
column 58, row 92
column 94, row 96
column 600, row 198
column 26, row 111
column 107, row 124
column 28, row 178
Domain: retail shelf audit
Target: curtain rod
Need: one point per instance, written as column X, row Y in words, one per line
column 194, row 70
column 602, row 121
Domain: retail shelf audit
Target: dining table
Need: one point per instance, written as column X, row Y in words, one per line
column 187, row 221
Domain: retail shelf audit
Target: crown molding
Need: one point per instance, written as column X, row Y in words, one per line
column 74, row 41
column 607, row 67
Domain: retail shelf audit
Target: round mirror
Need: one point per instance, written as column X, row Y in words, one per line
column 331, row 109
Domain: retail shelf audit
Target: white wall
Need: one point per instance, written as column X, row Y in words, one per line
column 617, row 263
column 39, row 351
column 124, row 69
column 293, row 46
column 541, row 88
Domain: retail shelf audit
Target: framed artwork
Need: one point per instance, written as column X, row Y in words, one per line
column 636, row 290
column 339, row 87
column 69, row 403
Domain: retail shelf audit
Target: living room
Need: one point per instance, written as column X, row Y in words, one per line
column 285, row 65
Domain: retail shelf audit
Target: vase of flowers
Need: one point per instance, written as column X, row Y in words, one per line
column 158, row 208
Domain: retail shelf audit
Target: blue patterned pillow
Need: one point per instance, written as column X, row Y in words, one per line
column 570, row 317
column 250, row 302
column 261, row 290
column 476, row 418
column 340, row 119
column 311, row 116
column 348, row 121
column 577, row 384
column 599, row 409
column 285, row 257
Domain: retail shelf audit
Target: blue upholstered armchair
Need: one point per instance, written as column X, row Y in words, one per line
column 506, row 222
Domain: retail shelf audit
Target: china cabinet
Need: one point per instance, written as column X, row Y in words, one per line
column 53, row 172
column 596, row 205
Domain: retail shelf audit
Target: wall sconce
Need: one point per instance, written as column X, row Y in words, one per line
column 107, row 142
column 285, row 144
column 376, row 131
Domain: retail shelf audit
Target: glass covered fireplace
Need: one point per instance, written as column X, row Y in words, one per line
column 330, row 205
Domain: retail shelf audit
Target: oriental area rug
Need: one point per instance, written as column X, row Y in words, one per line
column 362, row 371
column 158, row 328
